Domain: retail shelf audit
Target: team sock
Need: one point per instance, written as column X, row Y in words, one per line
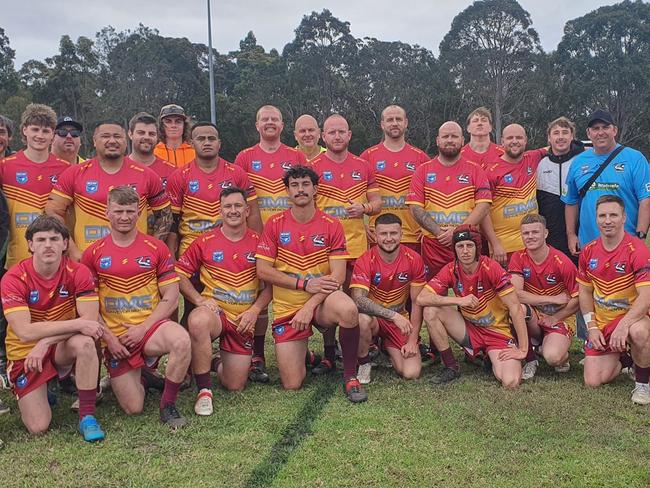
column 432, row 348
column 202, row 380
column 258, row 346
column 641, row 375
column 448, row 359
column 330, row 352
column 349, row 339
column 626, row 360
column 364, row 360
column 530, row 355
column 170, row 393
column 87, row 399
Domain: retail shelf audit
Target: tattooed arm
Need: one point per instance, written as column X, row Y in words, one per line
column 423, row 218
column 162, row 222
column 369, row 307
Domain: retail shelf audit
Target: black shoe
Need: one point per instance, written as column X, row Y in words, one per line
column 312, row 359
column 171, row 417
column 67, row 386
column 257, row 372
column 4, row 408
column 354, row 391
column 447, row 375
column 373, row 352
column 324, row 367
column 424, row 352
column 152, row 379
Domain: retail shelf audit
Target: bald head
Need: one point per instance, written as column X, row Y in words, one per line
column 394, row 123
column 450, row 126
column 336, row 134
column 514, row 140
column 337, row 120
column 450, row 141
column 306, row 132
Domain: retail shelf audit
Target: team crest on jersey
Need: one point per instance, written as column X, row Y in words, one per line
column 327, row 175
column 256, row 165
column 248, row 344
column 593, row 263
column 356, row 175
column 584, row 169
column 431, row 177
column 193, row 186
column 551, row 279
column 508, row 178
column 250, row 257
column 460, row 287
column 21, row 177
column 285, row 237
column 286, row 165
column 381, row 165
column 619, row 267
column 92, row 186
column 479, row 287
column 377, row 278
column 54, row 179
column 463, row 178
column 410, row 166
column 529, row 170
column 526, row 273
column 63, row 292
column 217, row 256
column 113, row 363
column 318, row 240
column 279, row 329
column 21, row 381
column 226, row 184
column 403, row 277
column 143, row 262
column 105, row 262
column 619, row 167
column 33, row 296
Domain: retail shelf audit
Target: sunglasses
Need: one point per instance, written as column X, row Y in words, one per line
column 65, row 132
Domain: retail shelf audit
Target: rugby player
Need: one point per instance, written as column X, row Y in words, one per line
column 67, row 140
column 143, row 134
column 486, row 308
column 307, row 134
column 138, row 291
column 302, row 253
column 614, row 281
column 383, row 280
column 230, row 304
column 480, row 149
column 545, row 279
column 51, row 307
column 85, row 188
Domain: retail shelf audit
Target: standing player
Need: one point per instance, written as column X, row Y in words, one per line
column 614, row 279
column 384, row 278
column 51, row 306
column 513, row 183
column 143, row 133
column 307, row 134
column 480, row 149
column 230, row 303
column 266, row 163
column 86, row 186
column 486, row 307
column 138, row 291
column 545, row 280
column 395, row 162
column 302, row 254
column 28, row 175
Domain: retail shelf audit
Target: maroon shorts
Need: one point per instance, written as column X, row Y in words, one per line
column 283, row 332
column 391, row 335
column 232, row 341
column 23, row 382
column 118, row 367
column 485, row 339
column 435, row 256
column 607, row 333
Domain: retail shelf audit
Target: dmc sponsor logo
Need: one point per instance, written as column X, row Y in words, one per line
column 95, row 232
column 520, row 208
column 455, row 218
column 273, row 203
column 233, row 296
column 393, row 202
column 482, row 321
column 380, row 165
column 92, row 186
column 105, row 262
column 23, row 219
column 201, row 225
column 285, row 237
column 123, row 304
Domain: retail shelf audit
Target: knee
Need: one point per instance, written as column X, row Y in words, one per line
column 133, row 408
column 39, row 426
column 554, row 357
column 592, row 381
column 511, row 382
column 348, row 314
column 233, row 385
column 640, row 335
column 411, row 373
column 291, row 385
column 181, row 344
column 198, row 323
column 84, row 346
column 430, row 314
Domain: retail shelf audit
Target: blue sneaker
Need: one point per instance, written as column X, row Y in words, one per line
column 90, row 429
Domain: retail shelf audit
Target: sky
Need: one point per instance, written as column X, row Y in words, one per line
column 34, row 27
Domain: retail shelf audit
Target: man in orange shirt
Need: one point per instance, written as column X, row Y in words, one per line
column 174, row 135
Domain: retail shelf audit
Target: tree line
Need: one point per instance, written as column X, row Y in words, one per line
column 491, row 56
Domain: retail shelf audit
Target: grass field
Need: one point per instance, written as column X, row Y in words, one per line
column 551, row 432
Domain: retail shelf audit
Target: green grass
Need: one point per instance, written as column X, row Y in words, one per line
column 551, row 432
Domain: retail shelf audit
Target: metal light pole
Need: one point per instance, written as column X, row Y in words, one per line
column 213, row 108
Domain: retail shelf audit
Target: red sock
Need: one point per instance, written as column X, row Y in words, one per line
column 258, row 346
column 349, row 339
column 641, row 375
column 448, row 359
column 364, row 360
column 170, row 393
column 202, row 380
column 87, row 399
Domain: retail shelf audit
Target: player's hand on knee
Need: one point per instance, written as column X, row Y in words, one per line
column 403, row 324
column 324, row 284
column 132, row 336
column 302, row 318
column 618, row 339
column 91, row 328
column 116, row 348
column 34, row 360
column 211, row 304
column 512, row 352
column 597, row 339
column 246, row 321
column 409, row 350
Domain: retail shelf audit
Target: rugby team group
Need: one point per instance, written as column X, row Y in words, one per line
column 501, row 249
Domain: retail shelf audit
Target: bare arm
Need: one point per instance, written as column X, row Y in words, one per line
column 189, row 292
column 416, row 314
column 571, row 218
column 478, row 213
column 57, row 207
column 254, row 217
column 643, row 220
column 369, row 307
column 374, row 201
column 423, row 218
column 172, row 236
column 518, row 321
column 426, row 298
column 531, row 298
column 168, row 303
column 163, row 221
column 639, row 308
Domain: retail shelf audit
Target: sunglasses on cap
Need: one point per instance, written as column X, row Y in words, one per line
column 65, row 132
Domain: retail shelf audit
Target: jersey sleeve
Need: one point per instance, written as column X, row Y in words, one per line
column 361, row 273
column 569, row 273
column 242, row 160
column 190, row 261
column 64, row 186
column 482, row 190
column 165, row 266
column 338, row 244
column 641, row 265
column 500, row 280
column 302, row 159
column 267, row 249
column 583, row 260
column 372, row 180
column 84, row 285
column 415, row 195
column 243, row 181
column 88, row 260
column 156, row 195
column 442, row 282
column 536, row 155
column 175, row 190
column 515, row 266
column 14, row 294
column 365, row 155
column 641, row 175
column 418, row 271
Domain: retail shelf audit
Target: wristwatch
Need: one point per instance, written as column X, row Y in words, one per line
column 641, row 235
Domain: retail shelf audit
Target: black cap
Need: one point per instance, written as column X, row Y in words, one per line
column 602, row 116
column 67, row 120
column 171, row 109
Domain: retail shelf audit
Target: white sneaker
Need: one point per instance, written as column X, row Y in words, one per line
column 363, row 375
column 203, row 405
column 530, row 368
column 105, row 383
column 641, row 394
column 563, row 368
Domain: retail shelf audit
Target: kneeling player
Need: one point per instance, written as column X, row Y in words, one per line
column 486, row 301
column 302, row 254
column 614, row 280
column 229, row 305
column 40, row 296
column 138, row 291
column 383, row 279
column 545, row 280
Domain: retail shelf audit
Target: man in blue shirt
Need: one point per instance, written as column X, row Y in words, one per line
column 627, row 175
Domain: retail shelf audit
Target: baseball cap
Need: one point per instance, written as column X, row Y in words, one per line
column 67, row 120
column 171, row 109
column 600, row 115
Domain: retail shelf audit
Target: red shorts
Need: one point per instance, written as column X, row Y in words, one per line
column 559, row 328
column 435, row 256
column 283, row 332
column 484, row 339
column 232, row 341
column 118, row 367
column 607, row 333
column 391, row 335
column 23, row 382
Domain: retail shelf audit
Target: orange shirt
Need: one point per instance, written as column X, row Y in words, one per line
column 179, row 157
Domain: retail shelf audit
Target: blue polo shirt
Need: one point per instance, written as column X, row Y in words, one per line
column 627, row 176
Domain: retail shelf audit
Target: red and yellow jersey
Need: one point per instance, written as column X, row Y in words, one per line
column 46, row 299
column 393, row 172
column 493, row 153
column 555, row 275
column 389, row 284
column 87, row 185
column 226, row 268
column 26, row 186
column 301, row 251
column 448, row 193
column 163, row 169
column 488, row 283
column 178, row 157
column 129, row 278
column 514, row 195
column 614, row 275
column 195, row 195
column 340, row 185
column 266, row 171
